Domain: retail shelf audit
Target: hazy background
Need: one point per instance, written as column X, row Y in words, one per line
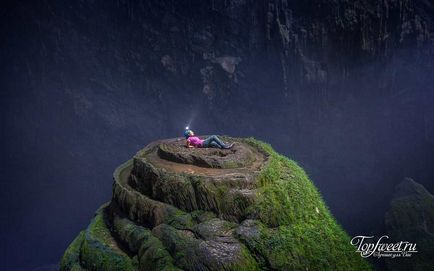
column 344, row 88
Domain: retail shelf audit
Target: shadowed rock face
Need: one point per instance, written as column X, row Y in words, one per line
column 411, row 218
column 178, row 208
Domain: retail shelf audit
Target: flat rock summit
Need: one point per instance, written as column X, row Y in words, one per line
column 244, row 208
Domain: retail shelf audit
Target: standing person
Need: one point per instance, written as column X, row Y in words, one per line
column 210, row 142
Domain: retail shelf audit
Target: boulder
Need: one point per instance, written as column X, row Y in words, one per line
column 178, row 208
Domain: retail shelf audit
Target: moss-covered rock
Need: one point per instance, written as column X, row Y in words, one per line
column 411, row 218
column 96, row 249
column 248, row 208
column 71, row 257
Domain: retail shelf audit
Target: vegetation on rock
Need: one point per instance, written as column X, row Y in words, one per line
column 262, row 213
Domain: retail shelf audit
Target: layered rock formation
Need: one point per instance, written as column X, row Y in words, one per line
column 246, row 208
column 411, row 218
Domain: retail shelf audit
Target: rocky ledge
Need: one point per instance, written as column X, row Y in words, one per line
column 246, row 208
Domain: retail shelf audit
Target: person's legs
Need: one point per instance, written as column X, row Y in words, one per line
column 214, row 139
column 214, row 145
column 207, row 142
column 218, row 141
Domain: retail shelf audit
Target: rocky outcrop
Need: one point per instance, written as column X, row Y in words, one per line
column 245, row 208
column 411, row 218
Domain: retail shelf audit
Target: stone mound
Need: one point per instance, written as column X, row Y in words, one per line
column 178, row 208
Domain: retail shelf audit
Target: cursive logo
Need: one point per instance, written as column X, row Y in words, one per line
column 367, row 247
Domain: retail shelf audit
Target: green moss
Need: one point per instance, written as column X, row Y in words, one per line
column 180, row 220
column 150, row 254
column 200, row 216
column 100, row 251
column 192, row 253
column 252, row 236
column 154, row 257
column 220, row 192
column 70, row 259
column 182, row 247
column 175, row 189
column 246, row 262
column 272, row 170
column 234, row 205
column 304, row 245
column 299, row 229
column 130, row 233
column 207, row 195
column 77, row 267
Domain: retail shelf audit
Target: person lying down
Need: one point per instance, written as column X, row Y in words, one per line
column 213, row 141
